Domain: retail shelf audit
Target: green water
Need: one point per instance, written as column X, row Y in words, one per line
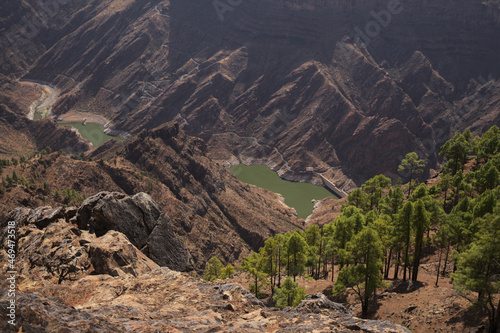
column 93, row 132
column 37, row 116
column 297, row 195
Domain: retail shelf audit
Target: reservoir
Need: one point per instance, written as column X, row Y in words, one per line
column 93, row 132
column 297, row 195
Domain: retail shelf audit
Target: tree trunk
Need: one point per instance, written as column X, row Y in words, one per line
column 325, row 267
column 494, row 319
column 364, row 308
column 364, row 305
column 272, row 285
column 288, row 265
column 396, row 267
column 319, row 258
column 409, row 186
column 416, row 264
column 294, row 265
column 279, row 267
column 333, row 268
column 256, row 286
column 446, row 260
column 407, row 249
column 439, row 266
column 386, row 273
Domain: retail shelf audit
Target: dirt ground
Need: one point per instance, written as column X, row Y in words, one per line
column 79, row 116
column 421, row 306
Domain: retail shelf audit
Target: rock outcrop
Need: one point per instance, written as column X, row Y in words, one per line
column 140, row 219
column 114, row 255
column 56, row 244
column 168, row 301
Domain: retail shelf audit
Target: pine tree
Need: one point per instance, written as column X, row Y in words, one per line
column 297, row 249
column 213, row 269
column 412, row 165
column 315, row 246
column 488, row 145
column 478, row 267
column 403, row 232
column 289, row 295
column 420, row 223
column 269, row 254
column 374, row 189
column 253, row 265
column 456, row 150
column 227, row 272
column 358, row 198
column 365, row 276
column 280, row 254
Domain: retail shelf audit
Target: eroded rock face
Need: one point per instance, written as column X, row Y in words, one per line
column 114, row 255
column 62, row 252
column 140, row 219
column 100, row 237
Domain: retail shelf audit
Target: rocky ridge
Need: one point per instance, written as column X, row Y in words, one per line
column 296, row 78
column 102, row 236
column 213, row 212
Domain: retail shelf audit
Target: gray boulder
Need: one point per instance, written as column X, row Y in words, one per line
column 140, row 219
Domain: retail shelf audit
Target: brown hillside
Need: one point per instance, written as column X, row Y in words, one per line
column 291, row 75
column 213, row 212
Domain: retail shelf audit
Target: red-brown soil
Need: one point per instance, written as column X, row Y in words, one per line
column 425, row 308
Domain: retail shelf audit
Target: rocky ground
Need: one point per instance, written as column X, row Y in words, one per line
column 420, row 306
column 78, row 273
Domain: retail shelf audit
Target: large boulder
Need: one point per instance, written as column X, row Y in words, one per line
column 61, row 252
column 316, row 302
column 114, row 255
column 140, row 219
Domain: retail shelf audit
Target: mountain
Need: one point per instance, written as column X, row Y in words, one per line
column 351, row 85
column 213, row 212
column 21, row 136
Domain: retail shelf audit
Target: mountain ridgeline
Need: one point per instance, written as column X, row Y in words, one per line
column 351, row 85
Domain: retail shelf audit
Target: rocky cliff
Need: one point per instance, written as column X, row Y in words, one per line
column 102, row 236
column 71, row 278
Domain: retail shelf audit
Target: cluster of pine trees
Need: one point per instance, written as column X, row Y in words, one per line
column 383, row 229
